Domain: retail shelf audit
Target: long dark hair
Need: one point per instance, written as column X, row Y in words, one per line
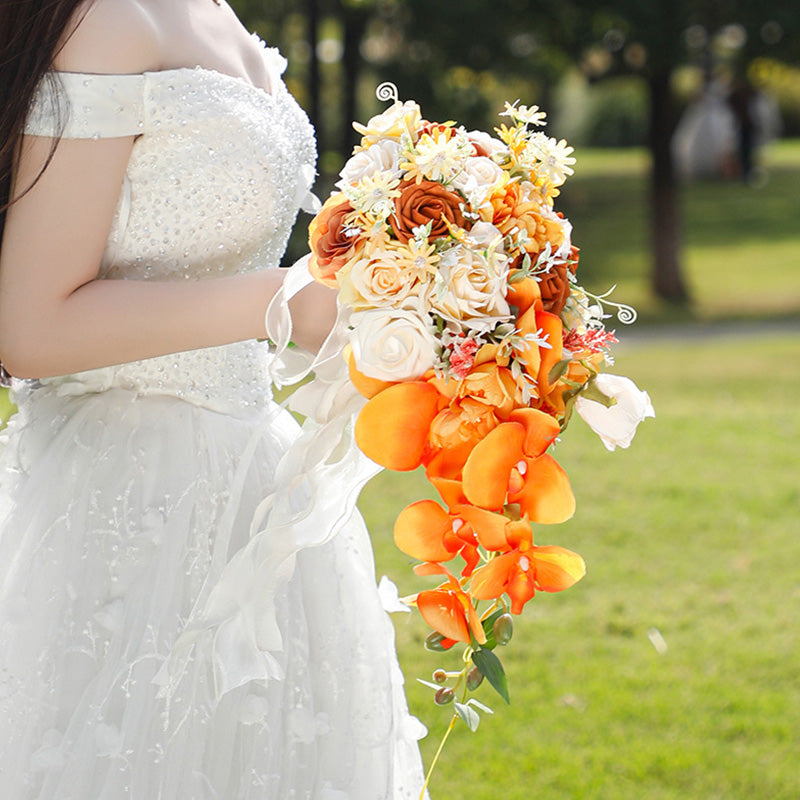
column 31, row 34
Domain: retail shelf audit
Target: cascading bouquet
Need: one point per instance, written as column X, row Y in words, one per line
column 473, row 342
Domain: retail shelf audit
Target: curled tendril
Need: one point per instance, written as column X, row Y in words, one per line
column 387, row 91
column 626, row 314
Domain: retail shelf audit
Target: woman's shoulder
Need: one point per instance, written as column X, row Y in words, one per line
column 111, row 37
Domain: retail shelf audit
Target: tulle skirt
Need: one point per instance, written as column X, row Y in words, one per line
column 151, row 648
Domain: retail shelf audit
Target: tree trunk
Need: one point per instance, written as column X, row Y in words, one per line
column 668, row 281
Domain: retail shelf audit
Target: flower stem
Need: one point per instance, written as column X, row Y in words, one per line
column 436, row 757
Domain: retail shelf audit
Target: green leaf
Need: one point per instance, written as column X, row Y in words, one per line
column 489, row 664
column 591, row 392
column 470, row 716
column 558, row 369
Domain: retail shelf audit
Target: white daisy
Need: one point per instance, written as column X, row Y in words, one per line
column 554, row 158
column 530, row 115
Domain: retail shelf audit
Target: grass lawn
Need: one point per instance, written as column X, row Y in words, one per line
column 692, row 532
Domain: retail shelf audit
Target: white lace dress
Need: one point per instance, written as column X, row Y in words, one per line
column 188, row 606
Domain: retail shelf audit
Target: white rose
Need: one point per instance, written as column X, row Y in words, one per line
column 376, row 281
column 392, row 344
column 477, row 179
column 471, row 288
column 616, row 425
column 383, row 156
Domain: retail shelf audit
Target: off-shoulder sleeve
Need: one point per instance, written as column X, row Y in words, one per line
column 81, row 106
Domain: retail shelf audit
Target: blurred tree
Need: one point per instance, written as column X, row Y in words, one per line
column 653, row 38
column 457, row 61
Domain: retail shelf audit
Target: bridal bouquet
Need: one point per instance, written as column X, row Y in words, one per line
column 474, row 343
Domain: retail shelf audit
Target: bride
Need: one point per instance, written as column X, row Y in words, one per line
column 188, row 607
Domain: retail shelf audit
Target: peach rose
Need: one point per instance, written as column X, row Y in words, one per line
column 463, row 422
column 424, row 202
column 331, row 246
column 494, row 385
column 507, row 209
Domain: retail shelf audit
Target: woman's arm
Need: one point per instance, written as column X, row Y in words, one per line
column 56, row 317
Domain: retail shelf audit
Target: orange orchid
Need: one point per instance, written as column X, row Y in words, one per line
column 526, row 569
column 448, row 609
column 424, row 530
column 392, row 428
column 510, row 466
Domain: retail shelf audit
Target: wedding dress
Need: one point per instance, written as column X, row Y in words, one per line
column 188, row 607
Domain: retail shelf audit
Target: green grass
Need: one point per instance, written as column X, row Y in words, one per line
column 742, row 255
column 694, row 532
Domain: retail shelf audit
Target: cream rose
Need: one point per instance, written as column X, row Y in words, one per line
column 616, row 425
column 383, row 156
column 392, row 345
column 478, row 179
column 376, row 281
column 471, row 288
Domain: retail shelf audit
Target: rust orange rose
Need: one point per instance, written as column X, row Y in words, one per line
column 554, row 286
column 424, row 202
column 330, row 246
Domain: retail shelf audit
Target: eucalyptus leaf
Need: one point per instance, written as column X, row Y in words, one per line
column 489, row 664
column 470, row 716
column 477, row 703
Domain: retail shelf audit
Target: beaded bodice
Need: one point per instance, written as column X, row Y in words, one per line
column 217, row 173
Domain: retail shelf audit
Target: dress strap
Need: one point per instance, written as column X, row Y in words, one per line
column 77, row 105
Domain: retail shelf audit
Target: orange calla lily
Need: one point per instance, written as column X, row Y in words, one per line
column 526, row 570
column 448, row 609
column 523, row 294
column 424, row 530
column 551, row 325
column 392, row 428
